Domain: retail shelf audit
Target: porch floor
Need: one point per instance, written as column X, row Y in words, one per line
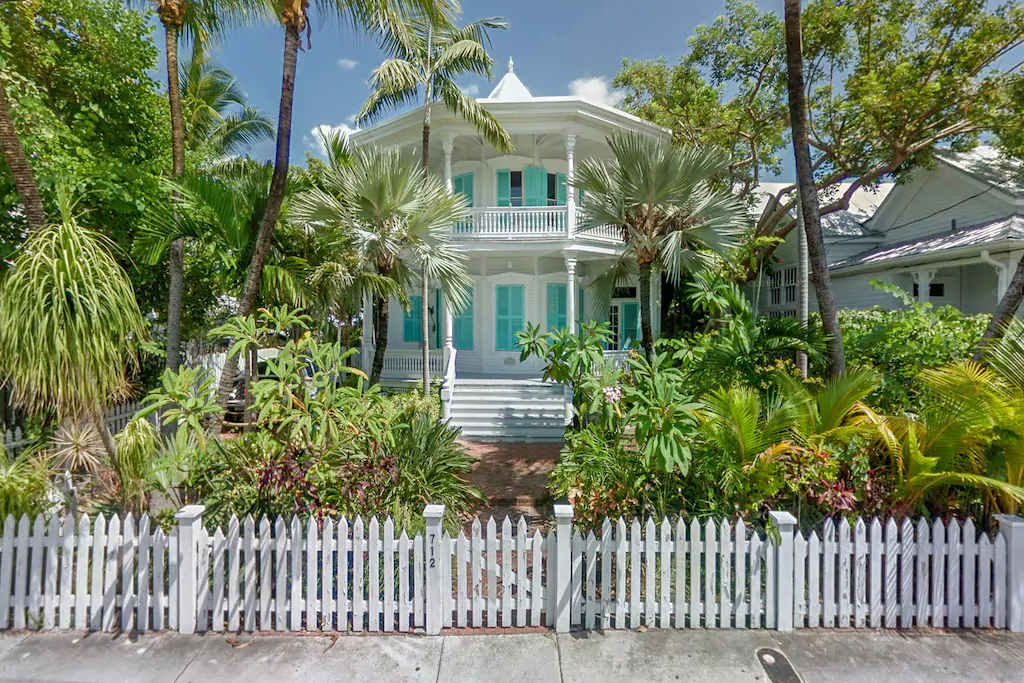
column 514, row 478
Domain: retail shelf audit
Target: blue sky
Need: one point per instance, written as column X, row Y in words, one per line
column 558, row 46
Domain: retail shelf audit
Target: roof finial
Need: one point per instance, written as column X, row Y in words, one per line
column 511, row 65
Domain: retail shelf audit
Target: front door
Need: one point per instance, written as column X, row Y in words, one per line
column 624, row 319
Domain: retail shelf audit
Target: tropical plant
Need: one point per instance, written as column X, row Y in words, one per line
column 184, row 399
column 69, row 323
column 429, row 54
column 570, row 359
column 378, row 17
column 662, row 199
column 398, row 217
column 218, row 119
column 25, row 487
column 663, row 416
column 133, row 465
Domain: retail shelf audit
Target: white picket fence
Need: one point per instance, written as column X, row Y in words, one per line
column 331, row 576
column 116, row 417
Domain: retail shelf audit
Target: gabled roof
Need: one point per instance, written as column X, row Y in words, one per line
column 849, row 223
column 1009, row 228
column 510, row 88
column 989, row 166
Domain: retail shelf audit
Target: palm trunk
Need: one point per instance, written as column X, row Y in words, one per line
column 808, row 196
column 275, row 198
column 424, row 288
column 176, row 287
column 645, row 310
column 21, row 171
column 1005, row 311
column 380, row 329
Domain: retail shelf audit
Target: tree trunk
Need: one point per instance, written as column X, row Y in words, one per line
column 105, row 436
column 17, row 164
column 425, row 329
column 380, row 329
column 808, row 195
column 176, row 289
column 275, row 198
column 801, row 288
column 1005, row 311
column 645, row 310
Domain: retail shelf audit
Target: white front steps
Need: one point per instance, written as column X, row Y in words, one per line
column 509, row 410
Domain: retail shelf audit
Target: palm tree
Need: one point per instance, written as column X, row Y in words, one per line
column 69, row 322
column 218, row 119
column 396, row 215
column 379, row 17
column 17, row 163
column 808, row 194
column 430, row 57
column 662, row 200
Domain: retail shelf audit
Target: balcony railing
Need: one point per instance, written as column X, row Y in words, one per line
column 409, row 364
column 526, row 222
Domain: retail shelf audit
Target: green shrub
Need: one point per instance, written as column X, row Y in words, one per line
column 24, row 485
column 901, row 343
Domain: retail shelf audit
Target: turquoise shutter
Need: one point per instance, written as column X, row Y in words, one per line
column 463, row 184
column 556, row 295
column 630, row 324
column 517, row 308
column 462, row 327
column 500, row 317
column 561, row 189
column 503, row 180
column 535, row 190
column 411, row 321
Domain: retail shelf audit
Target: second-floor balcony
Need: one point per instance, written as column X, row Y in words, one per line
column 526, row 223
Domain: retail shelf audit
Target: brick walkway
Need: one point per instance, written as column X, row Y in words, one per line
column 514, row 478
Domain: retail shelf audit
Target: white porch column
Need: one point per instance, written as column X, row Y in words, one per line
column 570, row 297
column 447, row 144
column 570, row 193
column 923, row 278
column 366, row 350
column 656, row 303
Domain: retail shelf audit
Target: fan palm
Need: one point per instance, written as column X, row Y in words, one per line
column 429, row 56
column 378, row 17
column 662, row 200
column 69, row 322
column 397, row 217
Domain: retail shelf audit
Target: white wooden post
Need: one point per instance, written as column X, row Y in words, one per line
column 434, row 598
column 1011, row 528
column 562, row 573
column 785, row 523
column 570, row 192
column 366, row 354
column 923, row 280
column 570, row 295
column 190, row 523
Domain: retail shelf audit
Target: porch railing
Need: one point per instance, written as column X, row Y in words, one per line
column 513, row 222
column 405, row 363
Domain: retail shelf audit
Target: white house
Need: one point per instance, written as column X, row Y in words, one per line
column 952, row 235
column 528, row 261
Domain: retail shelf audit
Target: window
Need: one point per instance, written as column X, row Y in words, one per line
column 508, row 315
column 462, row 327
column 532, row 186
column 412, row 328
column 557, row 306
column 775, row 286
column 624, row 293
column 936, row 290
column 790, row 278
column 613, row 322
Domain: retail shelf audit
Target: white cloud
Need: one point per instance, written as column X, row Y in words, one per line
column 471, row 90
column 315, row 138
column 347, row 64
column 597, row 89
column 351, row 119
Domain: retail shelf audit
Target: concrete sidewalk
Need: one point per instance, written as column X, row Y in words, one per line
column 586, row 657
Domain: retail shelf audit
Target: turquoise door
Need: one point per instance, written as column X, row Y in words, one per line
column 462, row 327
column 508, row 315
column 629, row 330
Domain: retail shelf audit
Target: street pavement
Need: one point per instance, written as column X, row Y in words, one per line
column 705, row 656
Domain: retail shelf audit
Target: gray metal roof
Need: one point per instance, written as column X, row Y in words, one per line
column 1009, row 228
column 989, row 166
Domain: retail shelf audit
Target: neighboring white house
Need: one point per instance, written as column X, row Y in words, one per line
column 528, row 261
column 950, row 235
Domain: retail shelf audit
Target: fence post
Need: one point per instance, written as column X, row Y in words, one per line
column 433, row 515
column 1011, row 527
column 563, row 567
column 785, row 523
column 190, row 522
